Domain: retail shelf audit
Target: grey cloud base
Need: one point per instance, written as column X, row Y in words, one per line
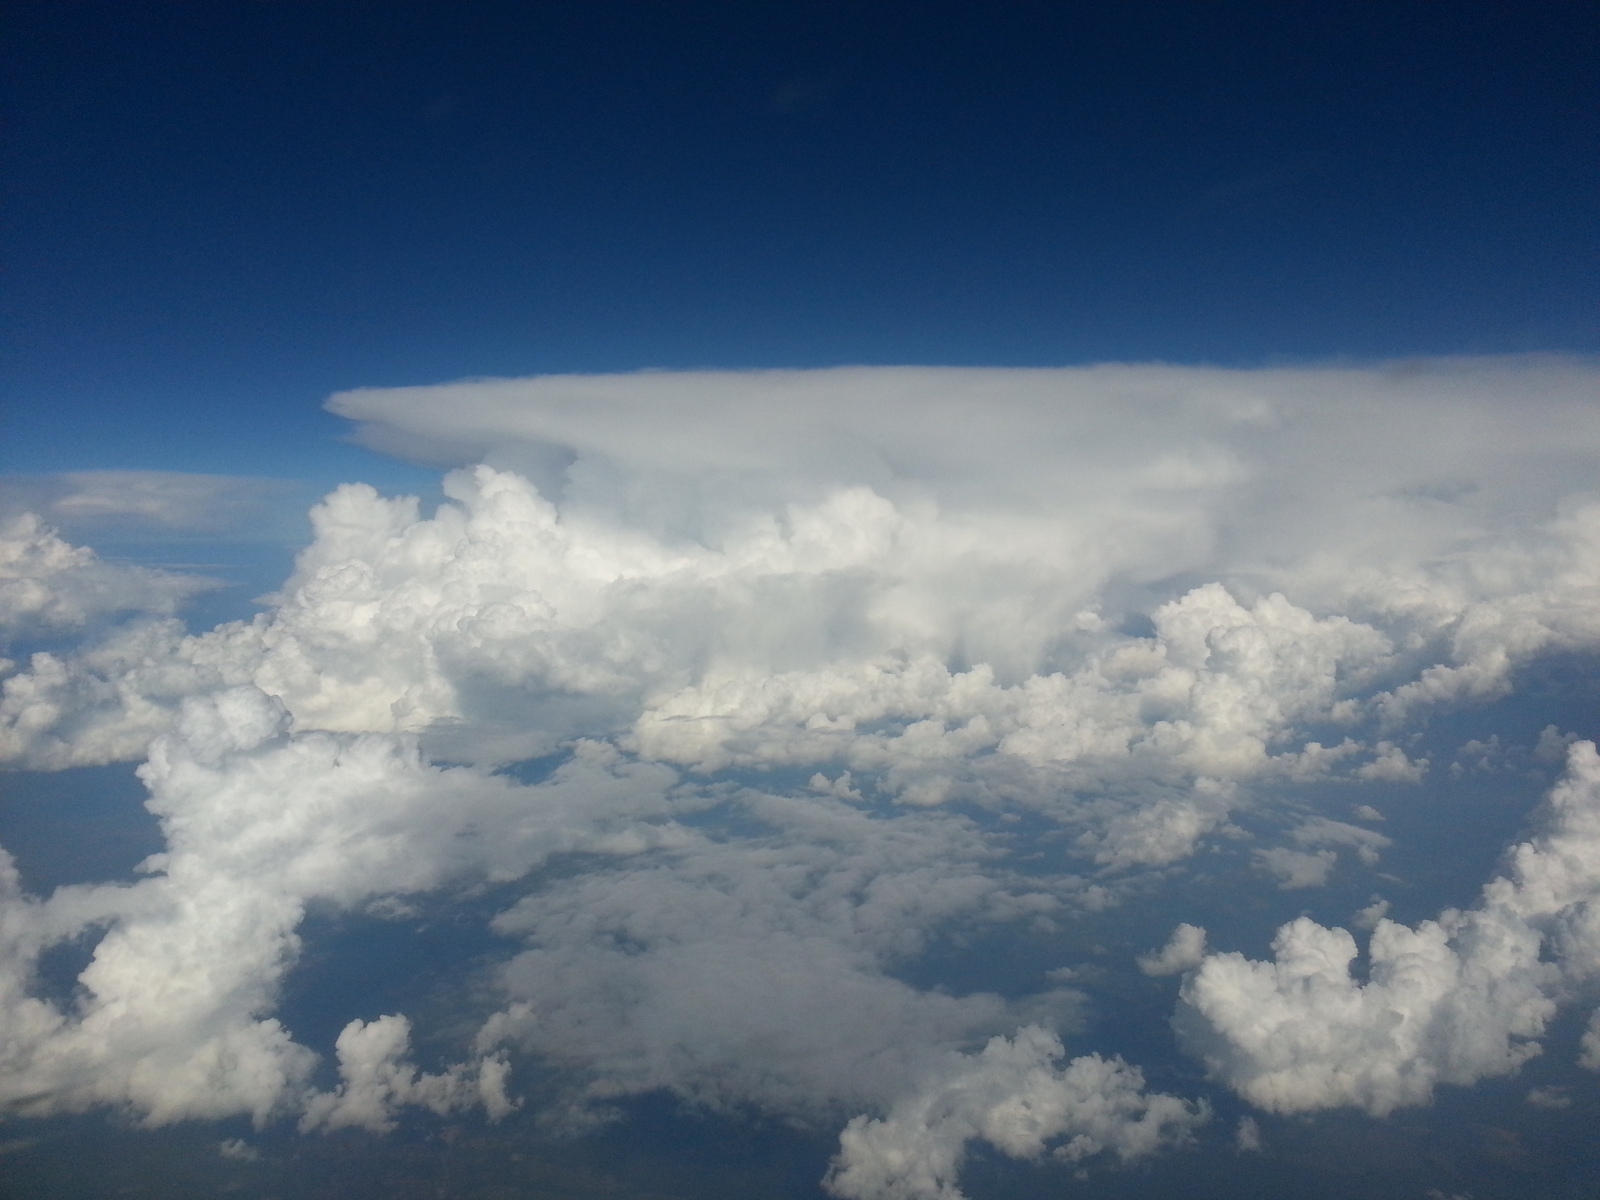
column 809, row 652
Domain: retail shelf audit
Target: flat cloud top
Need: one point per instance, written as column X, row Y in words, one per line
column 970, row 427
column 1165, row 470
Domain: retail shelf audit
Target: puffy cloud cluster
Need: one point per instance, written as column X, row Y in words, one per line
column 377, row 1078
column 1186, row 948
column 765, row 568
column 803, row 643
column 1012, row 1096
column 1450, row 1001
column 173, row 1016
column 500, row 626
column 737, row 973
column 47, row 585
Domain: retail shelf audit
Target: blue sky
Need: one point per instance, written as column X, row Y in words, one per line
column 218, row 215
column 882, row 601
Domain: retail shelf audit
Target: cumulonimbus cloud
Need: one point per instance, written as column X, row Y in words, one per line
column 802, row 643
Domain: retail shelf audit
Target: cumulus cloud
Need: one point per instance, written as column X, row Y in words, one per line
column 1013, row 1096
column 1368, row 917
column 816, row 655
column 1451, row 1000
column 928, row 590
column 172, row 1019
column 48, row 585
column 103, row 703
column 377, row 1078
column 1185, row 949
column 500, row 626
column 750, row 973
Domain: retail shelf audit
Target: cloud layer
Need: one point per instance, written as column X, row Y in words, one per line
column 137, row 505
column 799, row 653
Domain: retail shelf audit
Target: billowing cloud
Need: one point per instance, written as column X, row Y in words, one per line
column 1012, row 1096
column 173, row 1020
column 1450, row 1000
column 47, row 585
column 1186, row 948
column 815, row 673
column 377, row 1078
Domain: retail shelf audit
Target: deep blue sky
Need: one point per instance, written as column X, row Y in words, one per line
column 219, row 213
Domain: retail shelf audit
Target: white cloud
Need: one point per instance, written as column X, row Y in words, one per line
column 1450, row 1001
column 926, row 599
column 499, row 627
column 105, row 702
column 173, row 1018
column 1552, row 745
column 1368, row 917
column 1296, row 868
column 737, row 974
column 1114, row 603
column 377, row 1078
column 1312, row 867
column 1012, row 1096
column 1319, row 831
column 1392, row 766
column 1185, row 949
column 47, row 585
column 969, row 430
column 1404, row 490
